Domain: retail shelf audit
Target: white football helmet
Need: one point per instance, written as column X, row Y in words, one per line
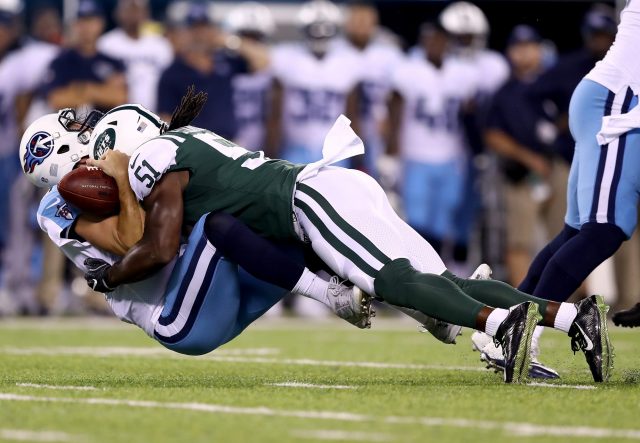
column 319, row 20
column 252, row 18
column 124, row 128
column 53, row 144
column 464, row 18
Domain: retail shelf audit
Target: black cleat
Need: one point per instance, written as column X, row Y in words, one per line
column 590, row 335
column 514, row 335
column 629, row 318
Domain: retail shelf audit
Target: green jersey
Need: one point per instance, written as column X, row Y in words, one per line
column 223, row 177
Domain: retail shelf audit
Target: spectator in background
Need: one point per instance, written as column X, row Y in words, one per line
column 211, row 61
column 252, row 22
column 521, row 134
column 426, row 132
column 82, row 75
column 314, row 83
column 145, row 56
column 379, row 55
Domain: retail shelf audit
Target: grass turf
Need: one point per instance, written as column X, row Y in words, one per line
column 439, row 395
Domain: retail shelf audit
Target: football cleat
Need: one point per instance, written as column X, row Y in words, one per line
column 629, row 318
column 514, row 335
column 350, row 303
column 590, row 335
column 443, row 331
column 482, row 272
column 493, row 358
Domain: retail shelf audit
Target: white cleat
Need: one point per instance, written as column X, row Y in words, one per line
column 350, row 303
column 483, row 272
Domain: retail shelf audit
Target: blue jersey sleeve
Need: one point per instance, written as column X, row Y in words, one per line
column 56, row 212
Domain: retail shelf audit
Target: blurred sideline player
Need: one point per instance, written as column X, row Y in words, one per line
column 251, row 21
column 195, row 303
column 488, row 70
column 379, row 55
column 429, row 91
column 40, row 48
column 314, row 83
column 10, row 78
column 604, row 181
column 145, row 55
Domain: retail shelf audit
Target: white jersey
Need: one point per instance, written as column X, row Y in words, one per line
column 431, row 130
column 145, row 59
column 138, row 303
column 37, row 55
column 250, row 93
column 378, row 61
column 491, row 69
column 315, row 92
column 620, row 68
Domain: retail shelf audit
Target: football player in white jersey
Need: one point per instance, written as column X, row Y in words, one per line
column 145, row 55
column 426, row 133
column 487, row 70
column 379, row 55
column 179, row 304
column 252, row 21
column 314, row 84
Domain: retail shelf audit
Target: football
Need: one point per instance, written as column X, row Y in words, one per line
column 90, row 190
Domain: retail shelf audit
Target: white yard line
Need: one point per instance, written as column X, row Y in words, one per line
column 295, row 384
column 551, row 385
column 39, row 436
column 223, row 355
column 57, row 387
column 510, row 428
column 330, row 434
column 122, row 351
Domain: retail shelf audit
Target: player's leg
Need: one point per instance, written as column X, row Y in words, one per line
column 283, row 265
column 417, row 193
column 354, row 230
column 606, row 189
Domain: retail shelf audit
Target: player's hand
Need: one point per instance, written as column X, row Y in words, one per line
column 114, row 163
column 96, row 275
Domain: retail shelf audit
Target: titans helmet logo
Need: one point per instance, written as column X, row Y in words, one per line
column 37, row 150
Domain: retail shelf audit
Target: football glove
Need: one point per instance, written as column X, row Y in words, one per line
column 96, row 275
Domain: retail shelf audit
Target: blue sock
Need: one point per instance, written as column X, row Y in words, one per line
column 536, row 269
column 577, row 258
column 266, row 260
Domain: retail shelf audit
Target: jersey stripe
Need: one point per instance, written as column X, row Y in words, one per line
column 601, row 163
column 335, row 243
column 158, row 123
column 611, row 210
column 342, row 223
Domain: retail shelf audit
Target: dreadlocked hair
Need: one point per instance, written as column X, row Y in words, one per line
column 188, row 109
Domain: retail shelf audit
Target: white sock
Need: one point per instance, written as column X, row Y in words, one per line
column 566, row 315
column 312, row 286
column 494, row 321
column 535, row 346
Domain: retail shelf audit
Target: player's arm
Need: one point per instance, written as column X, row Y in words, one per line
column 72, row 95
column 505, row 145
column 396, row 106
column 161, row 239
column 352, row 107
column 111, row 93
column 116, row 234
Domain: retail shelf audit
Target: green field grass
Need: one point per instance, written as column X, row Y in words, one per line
column 386, row 384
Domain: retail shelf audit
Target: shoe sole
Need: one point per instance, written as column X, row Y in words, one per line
column 523, row 355
column 605, row 343
column 364, row 300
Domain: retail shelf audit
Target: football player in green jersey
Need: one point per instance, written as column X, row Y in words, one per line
column 345, row 216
